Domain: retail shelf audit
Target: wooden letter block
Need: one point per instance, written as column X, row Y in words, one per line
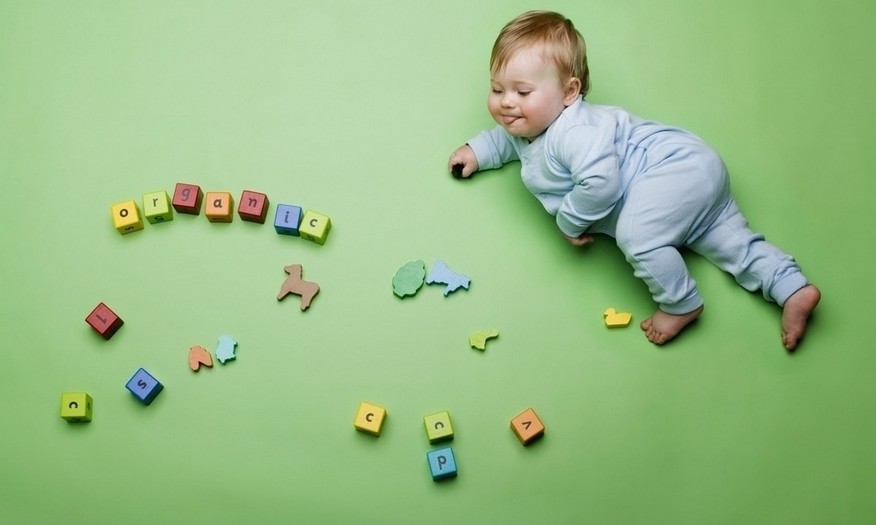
column 219, row 207
column 527, row 427
column 253, row 206
column 144, row 386
column 187, row 198
column 156, row 207
column 442, row 464
column 370, row 418
column 438, row 427
column 315, row 227
column 104, row 321
column 76, row 406
column 126, row 217
column 287, row 219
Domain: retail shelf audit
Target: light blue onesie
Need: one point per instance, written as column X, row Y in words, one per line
column 652, row 187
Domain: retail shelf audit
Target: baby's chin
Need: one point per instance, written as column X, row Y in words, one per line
column 525, row 134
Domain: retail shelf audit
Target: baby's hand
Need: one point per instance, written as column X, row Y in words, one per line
column 580, row 240
column 463, row 162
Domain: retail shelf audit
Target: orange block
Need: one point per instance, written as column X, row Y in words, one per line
column 527, row 426
column 219, row 206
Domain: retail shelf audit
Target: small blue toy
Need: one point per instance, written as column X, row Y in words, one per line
column 226, row 348
column 442, row 274
column 442, row 464
column 144, row 386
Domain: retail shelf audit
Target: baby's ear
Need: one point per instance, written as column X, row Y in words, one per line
column 573, row 91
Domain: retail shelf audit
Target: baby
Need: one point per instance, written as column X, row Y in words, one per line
column 599, row 169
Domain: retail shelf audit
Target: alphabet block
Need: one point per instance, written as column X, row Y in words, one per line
column 219, row 207
column 442, row 464
column 287, row 219
column 126, row 217
column 144, row 386
column 156, row 207
column 187, row 198
column 370, row 418
column 76, row 406
column 438, row 427
column 527, row 426
column 315, row 227
column 253, row 206
column 104, row 321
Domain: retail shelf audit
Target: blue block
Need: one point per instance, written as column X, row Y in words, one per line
column 442, row 464
column 287, row 219
column 144, row 386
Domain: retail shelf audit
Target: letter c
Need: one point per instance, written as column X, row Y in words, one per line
column 369, row 417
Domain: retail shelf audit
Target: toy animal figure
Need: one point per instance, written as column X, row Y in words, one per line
column 294, row 284
column 615, row 319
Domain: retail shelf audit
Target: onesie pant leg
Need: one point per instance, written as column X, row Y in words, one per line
column 755, row 264
column 663, row 207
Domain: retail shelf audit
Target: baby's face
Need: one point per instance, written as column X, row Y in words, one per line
column 528, row 94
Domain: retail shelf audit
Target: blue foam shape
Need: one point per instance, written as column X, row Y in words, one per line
column 287, row 219
column 442, row 464
column 442, row 274
column 144, row 386
column 226, row 348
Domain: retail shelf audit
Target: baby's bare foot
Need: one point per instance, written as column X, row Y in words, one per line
column 661, row 327
column 795, row 315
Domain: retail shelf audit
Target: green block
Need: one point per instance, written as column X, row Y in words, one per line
column 438, row 427
column 315, row 227
column 76, row 406
column 156, row 207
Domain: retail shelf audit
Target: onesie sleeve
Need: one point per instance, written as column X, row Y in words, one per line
column 588, row 156
column 493, row 148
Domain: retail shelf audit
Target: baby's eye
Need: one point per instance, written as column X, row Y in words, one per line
column 496, row 91
column 524, row 93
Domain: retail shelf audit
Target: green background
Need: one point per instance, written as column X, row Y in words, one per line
column 352, row 108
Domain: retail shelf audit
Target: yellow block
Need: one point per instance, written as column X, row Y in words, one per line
column 76, row 406
column 315, row 227
column 156, row 207
column 219, row 206
column 126, row 217
column 370, row 418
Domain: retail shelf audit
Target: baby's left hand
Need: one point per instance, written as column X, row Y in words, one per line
column 580, row 240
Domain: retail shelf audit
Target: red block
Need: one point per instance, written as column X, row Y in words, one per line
column 187, row 198
column 104, row 321
column 253, row 206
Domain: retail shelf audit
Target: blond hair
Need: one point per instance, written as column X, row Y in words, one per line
column 562, row 43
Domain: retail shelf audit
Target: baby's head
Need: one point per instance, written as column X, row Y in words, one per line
column 561, row 42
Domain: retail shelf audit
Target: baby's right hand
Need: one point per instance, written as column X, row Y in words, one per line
column 463, row 162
